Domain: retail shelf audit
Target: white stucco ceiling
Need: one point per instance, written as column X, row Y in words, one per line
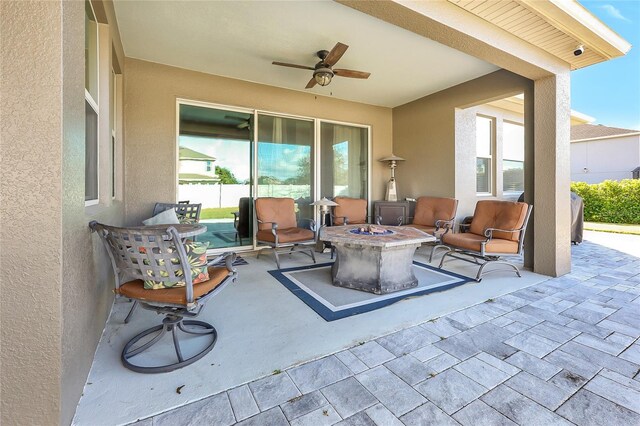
column 240, row 39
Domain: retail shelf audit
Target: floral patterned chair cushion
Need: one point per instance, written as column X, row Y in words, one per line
column 197, row 256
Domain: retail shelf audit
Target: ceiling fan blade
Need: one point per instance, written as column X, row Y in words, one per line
column 335, row 54
column 302, row 67
column 311, row 83
column 351, row 73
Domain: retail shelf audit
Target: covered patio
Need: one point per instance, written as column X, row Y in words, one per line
column 440, row 75
column 506, row 349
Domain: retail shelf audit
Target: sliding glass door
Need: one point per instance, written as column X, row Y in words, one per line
column 214, row 169
column 285, row 160
column 344, row 153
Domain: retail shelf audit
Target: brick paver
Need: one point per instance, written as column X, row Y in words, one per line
column 564, row 351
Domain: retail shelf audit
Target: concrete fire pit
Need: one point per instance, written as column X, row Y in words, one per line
column 377, row 263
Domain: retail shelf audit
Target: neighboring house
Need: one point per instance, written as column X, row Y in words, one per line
column 196, row 167
column 600, row 153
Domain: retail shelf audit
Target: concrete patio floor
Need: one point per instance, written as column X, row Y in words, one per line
column 562, row 351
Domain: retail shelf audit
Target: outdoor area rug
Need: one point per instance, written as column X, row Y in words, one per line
column 312, row 284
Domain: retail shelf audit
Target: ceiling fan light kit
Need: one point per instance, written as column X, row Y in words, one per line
column 323, row 71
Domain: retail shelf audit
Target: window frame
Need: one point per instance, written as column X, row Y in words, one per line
column 93, row 103
column 490, row 157
column 504, row 158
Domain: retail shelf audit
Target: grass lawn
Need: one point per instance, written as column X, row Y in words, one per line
column 218, row 213
column 612, row 227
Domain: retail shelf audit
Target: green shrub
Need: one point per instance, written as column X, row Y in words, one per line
column 610, row 201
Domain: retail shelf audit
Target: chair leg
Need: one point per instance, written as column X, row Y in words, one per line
column 502, row 262
column 170, row 324
column 433, row 250
column 133, row 308
column 313, row 256
column 275, row 253
column 443, row 257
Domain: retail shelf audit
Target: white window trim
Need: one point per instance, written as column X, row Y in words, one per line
column 492, row 147
column 92, row 102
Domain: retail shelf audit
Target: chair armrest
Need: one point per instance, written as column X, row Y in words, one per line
column 235, row 214
column 311, row 224
column 489, row 231
column 229, row 257
column 345, row 219
column 444, row 224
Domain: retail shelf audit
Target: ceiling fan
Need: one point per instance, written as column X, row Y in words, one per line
column 323, row 71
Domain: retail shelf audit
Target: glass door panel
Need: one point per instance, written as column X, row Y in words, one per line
column 215, row 168
column 344, row 161
column 285, row 161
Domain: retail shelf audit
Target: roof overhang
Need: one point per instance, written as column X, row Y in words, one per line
column 556, row 26
column 516, row 104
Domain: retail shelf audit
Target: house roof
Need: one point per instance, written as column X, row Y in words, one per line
column 189, row 154
column 597, row 131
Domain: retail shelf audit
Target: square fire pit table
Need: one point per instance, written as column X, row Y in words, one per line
column 377, row 263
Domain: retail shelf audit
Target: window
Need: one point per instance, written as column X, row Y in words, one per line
column 344, row 158
column 112, row 119
column 512, row 157
column 208, row 166
column 484, row 149
column 91, row 193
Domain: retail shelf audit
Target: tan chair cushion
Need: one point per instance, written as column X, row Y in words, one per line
column 176, row 296
column 431, row 209
column 468, row 241
column 501, row 215
column 287, row 235
column 355, row 209
column 278, row 210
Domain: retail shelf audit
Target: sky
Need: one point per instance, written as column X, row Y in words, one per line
column 610, row 91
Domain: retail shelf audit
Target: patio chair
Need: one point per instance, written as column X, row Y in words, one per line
column 349, row 211
column 242, row 219
column 278, row 228
column 187, row 213
column 435, row 216
column 497, row 229
column 138, row 254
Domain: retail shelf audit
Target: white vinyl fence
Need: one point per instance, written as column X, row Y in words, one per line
column 212, row 196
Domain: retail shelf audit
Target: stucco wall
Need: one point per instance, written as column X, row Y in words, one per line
column 151, row 91
column 56, row 280
column 437, row 136
column 612, row 158
column 87, row 278
column 31, row 211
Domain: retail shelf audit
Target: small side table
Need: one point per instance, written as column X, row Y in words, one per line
column 391, row 212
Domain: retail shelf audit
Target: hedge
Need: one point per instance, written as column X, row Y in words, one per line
column 610, row 201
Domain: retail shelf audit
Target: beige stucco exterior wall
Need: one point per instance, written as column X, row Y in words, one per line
column 437, row 136
column 56, row 286
column 151, row 91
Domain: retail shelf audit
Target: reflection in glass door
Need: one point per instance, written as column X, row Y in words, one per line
column 285, row 161
column 215, row 168
column 344, row 161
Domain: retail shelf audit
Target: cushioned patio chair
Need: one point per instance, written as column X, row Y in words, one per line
column 435, row 216
column 349, row 211
column 242, row 219
column 496, row 230
column 278, row 228
column 187, row 213
column 160, row 256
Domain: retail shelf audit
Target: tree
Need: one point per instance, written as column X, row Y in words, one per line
column 226, row 176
